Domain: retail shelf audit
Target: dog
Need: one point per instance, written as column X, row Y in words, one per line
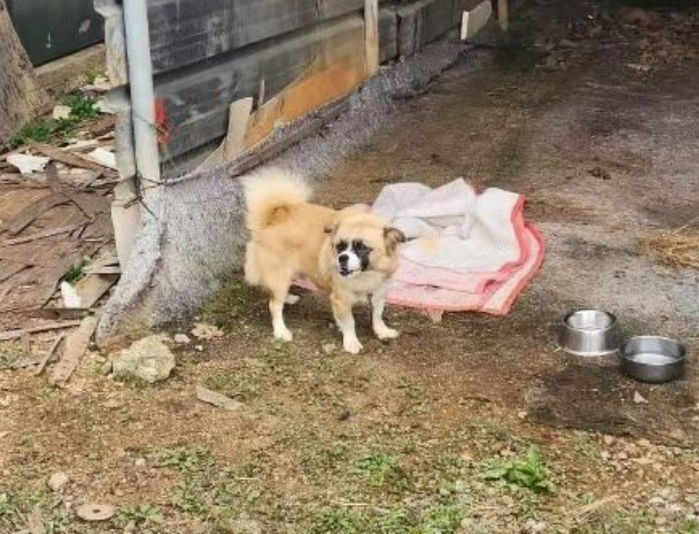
column 349, row 254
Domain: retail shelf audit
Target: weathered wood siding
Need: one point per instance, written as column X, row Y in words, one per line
column 291, row 56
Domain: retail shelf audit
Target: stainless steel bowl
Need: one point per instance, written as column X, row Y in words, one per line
column 653, row 359
column 590, row 333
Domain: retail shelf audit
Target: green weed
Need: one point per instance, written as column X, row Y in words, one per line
column 76, row 271
column 380, row 470
column 337, row 520
column 141, row 514
column 442, row 519
column 81, row 107
column 184, row 459
column 530, row 473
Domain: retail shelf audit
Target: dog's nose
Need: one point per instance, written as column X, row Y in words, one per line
column 343, row 259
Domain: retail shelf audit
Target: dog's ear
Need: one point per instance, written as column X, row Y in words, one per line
column 393, row 237
column 331, row 228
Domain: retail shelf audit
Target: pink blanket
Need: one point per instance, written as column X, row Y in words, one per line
column 465, row 250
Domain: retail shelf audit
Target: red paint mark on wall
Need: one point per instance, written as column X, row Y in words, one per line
column 162, row 121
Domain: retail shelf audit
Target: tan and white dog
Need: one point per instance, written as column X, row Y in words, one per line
column 349, row 254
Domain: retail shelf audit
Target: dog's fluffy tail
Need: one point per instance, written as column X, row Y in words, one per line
column 269, row 193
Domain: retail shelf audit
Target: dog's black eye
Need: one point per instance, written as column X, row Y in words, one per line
column 340, row 246
column 359, row 246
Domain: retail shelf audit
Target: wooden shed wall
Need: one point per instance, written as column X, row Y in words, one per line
column 291, row 56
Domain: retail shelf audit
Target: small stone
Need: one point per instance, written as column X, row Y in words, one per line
column 535, row 527
column 644, row 443
column 148, row 359
column 522, row 414
column 106, row 368
column 58, row 481
column 113, row 404
column 182, row 339
column 199, row 348
column 95, row 512
column 329, row 348
column 140, row 462
column 206, row 331
column 608, row 440
column 638, row 398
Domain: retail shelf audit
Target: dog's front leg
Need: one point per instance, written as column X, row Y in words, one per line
column 378, row 302
column 342, row 310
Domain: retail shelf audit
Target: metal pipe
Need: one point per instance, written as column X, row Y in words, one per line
column 141, row 88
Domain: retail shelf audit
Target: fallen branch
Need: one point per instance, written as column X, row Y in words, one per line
column 76, row 345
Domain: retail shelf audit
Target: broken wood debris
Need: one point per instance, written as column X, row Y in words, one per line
column 69, row 158
column 52, row 351
column 76, row 344
column 17, row 334
column 40, row 235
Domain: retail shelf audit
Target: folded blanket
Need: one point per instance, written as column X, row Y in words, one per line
column 465, row 251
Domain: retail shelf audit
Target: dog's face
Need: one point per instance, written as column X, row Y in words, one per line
column 362, row 242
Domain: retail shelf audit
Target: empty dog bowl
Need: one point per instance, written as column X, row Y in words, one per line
column 590, row 333
column 653, row 359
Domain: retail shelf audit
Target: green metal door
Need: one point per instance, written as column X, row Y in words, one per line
column 51, row 29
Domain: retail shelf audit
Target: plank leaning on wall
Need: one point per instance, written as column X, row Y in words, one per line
column 371, row 22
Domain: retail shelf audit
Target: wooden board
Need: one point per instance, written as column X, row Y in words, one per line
column 371, row 35
column 186, row 32
column 197, row 101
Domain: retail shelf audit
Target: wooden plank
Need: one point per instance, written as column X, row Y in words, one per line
column 186, row 32
column 422, row 22
column 40, row 235
column 503, row 15
column 46, row 359
column 388, row 34
column 75, row 346
column 371, row 35
column 197, row 100
column 17, row 334
column 32, row 212
column 56, row 154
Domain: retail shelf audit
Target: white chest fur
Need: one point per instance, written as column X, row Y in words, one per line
column 363, row 284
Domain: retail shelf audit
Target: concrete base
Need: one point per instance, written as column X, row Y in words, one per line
column 65, row 74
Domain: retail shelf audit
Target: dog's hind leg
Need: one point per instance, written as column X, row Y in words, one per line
column 291, row 299
column 280, row 292
column 252, row 276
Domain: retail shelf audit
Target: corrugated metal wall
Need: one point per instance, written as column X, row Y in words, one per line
column 291, row 56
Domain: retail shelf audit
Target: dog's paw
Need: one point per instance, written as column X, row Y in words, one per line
column 283, row 334
column 291, row 299
column 352, row 345
column 385, row 332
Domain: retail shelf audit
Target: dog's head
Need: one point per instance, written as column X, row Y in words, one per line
column 362, row 242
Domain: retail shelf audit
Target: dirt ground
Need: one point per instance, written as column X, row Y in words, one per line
column 473, row 425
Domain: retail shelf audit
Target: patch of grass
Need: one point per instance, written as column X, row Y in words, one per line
column 227, row 305
column 81, row 107
column 381, row 471
column 184, row 459
column 337, row 520
column 15, row 506
column 232, row 384
column 442, row 519
column 76, row 271
column 9, row 353
column 45, row 130
column 530, row 473
column 141, row 514
column 398, row 521
column 689, row 526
